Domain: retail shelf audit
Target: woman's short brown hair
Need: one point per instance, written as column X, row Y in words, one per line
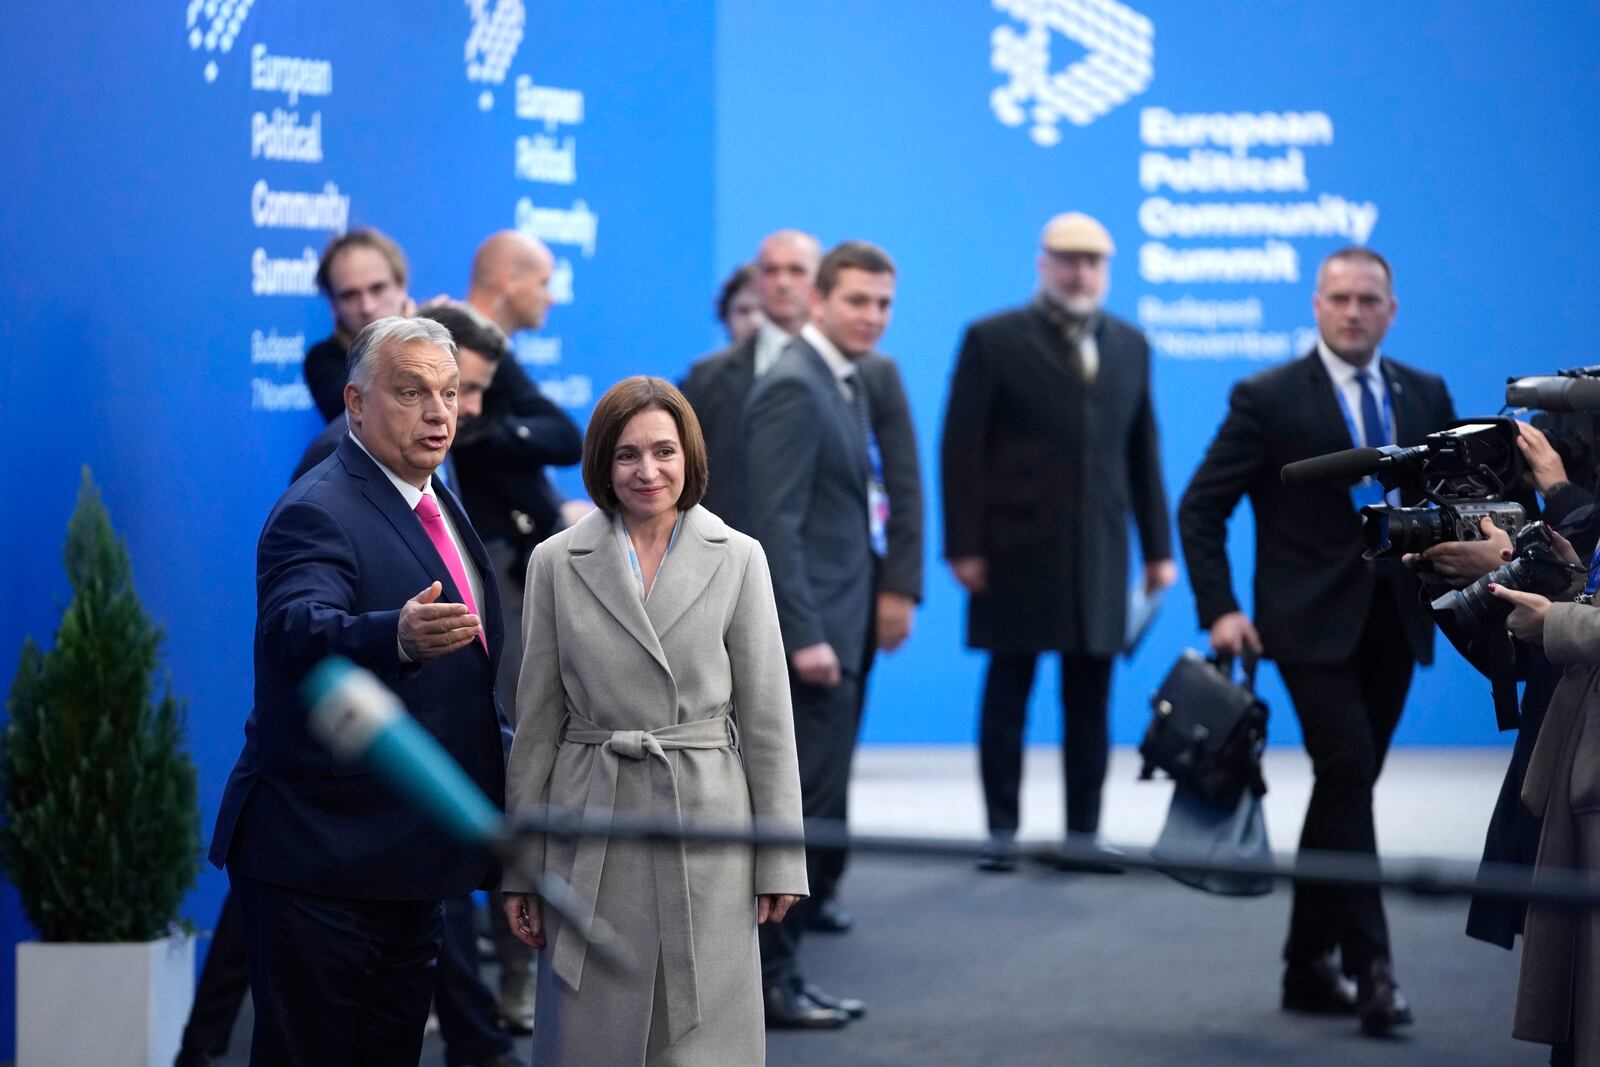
column 620, row 404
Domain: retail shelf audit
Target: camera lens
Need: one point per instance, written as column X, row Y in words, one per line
column 1391, row 531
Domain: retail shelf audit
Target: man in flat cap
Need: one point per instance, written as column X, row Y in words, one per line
column 1049, row 442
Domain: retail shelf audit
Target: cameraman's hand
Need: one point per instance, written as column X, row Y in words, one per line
column 1460, row 563
column 1232, row 633
column 1526, row 621
column 1543, row 462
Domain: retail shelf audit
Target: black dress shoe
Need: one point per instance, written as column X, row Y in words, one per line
column 1318, row 988
column 1380, row 1003
column 1103, row 862
column 849, row 1005
column 828, row 917
column 790, row 1009
column 999, row 855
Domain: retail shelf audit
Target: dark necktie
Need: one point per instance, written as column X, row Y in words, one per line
column 1372, row 428
column 877, row 498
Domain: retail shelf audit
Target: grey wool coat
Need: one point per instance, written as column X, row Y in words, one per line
column 1558, row 992
column 675, row 705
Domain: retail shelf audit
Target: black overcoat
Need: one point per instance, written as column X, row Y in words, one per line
column 1040, row 472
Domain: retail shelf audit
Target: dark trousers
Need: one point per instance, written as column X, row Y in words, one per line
column 466, row 1007
column 1348, row 712
column 825, row 742
column 337, row 981
column 1085, row 689
column 224, row 980
column 832, row 861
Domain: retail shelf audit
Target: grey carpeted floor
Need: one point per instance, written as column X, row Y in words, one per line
column 960, row 967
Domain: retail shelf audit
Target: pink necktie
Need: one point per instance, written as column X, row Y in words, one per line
column 433, row 523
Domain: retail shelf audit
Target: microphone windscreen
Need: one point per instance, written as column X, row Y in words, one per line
column 1347, row 466
column 360, row 719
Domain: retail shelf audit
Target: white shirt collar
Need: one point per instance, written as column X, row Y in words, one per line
column 770, row 343
column 1343, row 373
column 842, row 366
column 413, row 495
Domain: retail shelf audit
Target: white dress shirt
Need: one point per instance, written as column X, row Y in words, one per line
column 1344, row 380
column 842, row 366
column 770, row 343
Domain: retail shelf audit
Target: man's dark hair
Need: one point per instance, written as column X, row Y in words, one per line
column 739, row 279
column 851, row 255
column 363, row 237
column 1362, row 254
column 470, row 329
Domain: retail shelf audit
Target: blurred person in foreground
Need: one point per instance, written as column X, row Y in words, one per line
column 653, row 683
column 1558, row 992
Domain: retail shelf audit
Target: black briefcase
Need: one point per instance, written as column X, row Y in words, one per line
column 1208, row 731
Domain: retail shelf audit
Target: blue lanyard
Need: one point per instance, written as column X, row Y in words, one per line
column 1367, row 490
column 1593, row 583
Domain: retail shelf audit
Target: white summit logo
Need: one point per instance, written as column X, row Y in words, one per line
column 214, row 25
column 492, row 45
column 1121, row 47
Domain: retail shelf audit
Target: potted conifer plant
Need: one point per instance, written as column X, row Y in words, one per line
column 101, row 827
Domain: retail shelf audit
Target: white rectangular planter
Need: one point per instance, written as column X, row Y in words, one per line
column 104, row 1004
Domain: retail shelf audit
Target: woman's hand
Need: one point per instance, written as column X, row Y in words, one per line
column 522, row 913
column 1526, row 621
column 772, row 907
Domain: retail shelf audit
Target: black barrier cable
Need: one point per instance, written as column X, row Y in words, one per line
column 1419, row 876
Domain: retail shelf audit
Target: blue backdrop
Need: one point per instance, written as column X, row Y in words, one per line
column 155, row 298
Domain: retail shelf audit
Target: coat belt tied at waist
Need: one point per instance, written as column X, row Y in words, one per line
column 673, row 918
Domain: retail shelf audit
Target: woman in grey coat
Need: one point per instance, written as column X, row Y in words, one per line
column 653, row 682
column 1558, row 993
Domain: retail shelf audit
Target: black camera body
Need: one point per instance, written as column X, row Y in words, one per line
column 1535, row 567
column 1568, row 405
column 1392, row 531
column 1464, row 471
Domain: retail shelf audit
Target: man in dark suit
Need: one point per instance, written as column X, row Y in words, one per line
column 718, row 384
column 717, row 387
column 339, row 880
column 1049, row 442
column 1346, row 632
column 807, row 433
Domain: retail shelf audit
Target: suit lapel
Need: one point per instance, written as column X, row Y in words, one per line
column 598, row 559
column 844, row 415
column 685, row 573
column 1409, row 419
column 1327, row 419
column 740, row 372
column 387, row 499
